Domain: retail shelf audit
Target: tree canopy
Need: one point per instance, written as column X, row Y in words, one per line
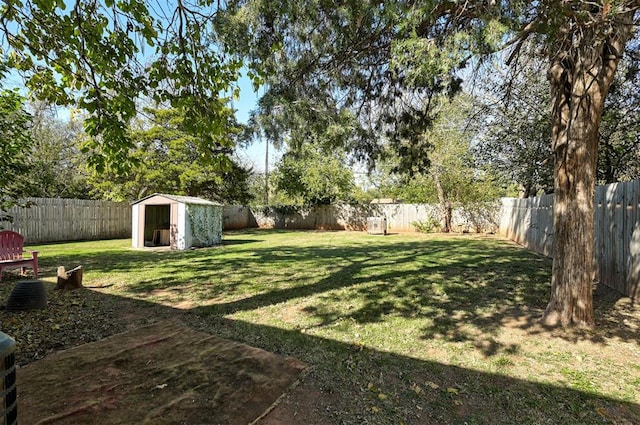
column 313, row 176
column 513, row 121
column 619, row 158
column 55, row 166
column 104, row 56
column 514, row 134
column 454, row 177
column 15, row 143
column 170, row 161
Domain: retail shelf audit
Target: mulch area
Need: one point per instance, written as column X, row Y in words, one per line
column 71, row 318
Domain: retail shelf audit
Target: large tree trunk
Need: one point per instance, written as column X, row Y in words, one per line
column 581, row 70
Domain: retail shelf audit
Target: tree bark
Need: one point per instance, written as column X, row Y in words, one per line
column 445, row 204
column 582, row 67
column 528, row 189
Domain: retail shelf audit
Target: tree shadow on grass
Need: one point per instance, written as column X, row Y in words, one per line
column 462, row 289
column 354, row 384
column 468, row 291
column 452, row 287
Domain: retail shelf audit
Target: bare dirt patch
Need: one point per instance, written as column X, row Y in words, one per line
column 163, row 373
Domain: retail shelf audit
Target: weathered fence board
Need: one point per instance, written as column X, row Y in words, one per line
column 400, row 217
column 529, row 222
column 238, row 217
column 53, row 220
column 617, row 231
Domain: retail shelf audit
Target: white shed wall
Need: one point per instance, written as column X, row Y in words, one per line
column 184, row 230
column 134, row 226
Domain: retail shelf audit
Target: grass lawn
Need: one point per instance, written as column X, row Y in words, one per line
column 407, row 328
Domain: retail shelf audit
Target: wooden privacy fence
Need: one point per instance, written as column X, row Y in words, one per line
column 617, row 231
column 529, row 222
column 400, row 217
column 321, row 217
column 53, row 220
column 238, row 217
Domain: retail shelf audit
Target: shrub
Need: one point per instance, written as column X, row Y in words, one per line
column 429, row 225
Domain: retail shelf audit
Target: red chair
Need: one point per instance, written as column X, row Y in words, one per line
column 11, row 253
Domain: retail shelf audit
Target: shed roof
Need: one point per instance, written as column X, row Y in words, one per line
column 179, row 198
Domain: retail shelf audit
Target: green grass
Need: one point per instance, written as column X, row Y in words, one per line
column 443, row 327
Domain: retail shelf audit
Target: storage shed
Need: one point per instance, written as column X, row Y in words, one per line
column 180, row 222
